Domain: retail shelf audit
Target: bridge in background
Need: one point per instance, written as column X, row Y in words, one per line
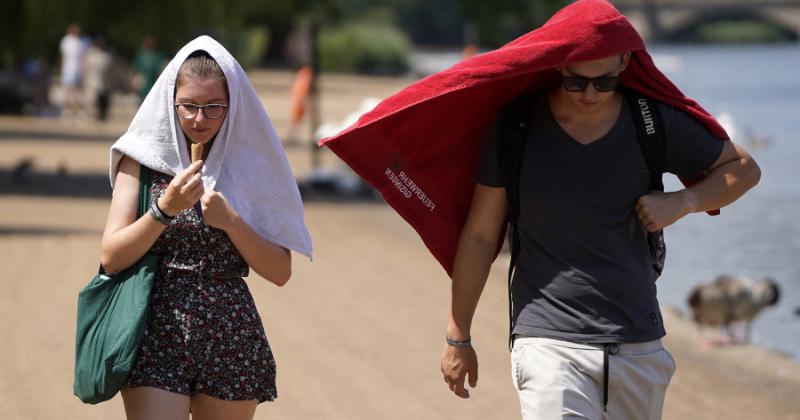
column 658, row 20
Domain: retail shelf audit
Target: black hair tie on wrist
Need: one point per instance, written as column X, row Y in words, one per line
column 159, row 214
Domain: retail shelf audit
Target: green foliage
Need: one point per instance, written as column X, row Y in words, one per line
column 364, row 48
column 33, row 28
column 249, row 46
column 497, row 22
column 730, row 32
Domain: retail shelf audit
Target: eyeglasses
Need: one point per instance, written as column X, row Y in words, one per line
column 189, row 111
column 579, row 83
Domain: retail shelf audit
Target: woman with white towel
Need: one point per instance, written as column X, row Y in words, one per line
column 234, row 207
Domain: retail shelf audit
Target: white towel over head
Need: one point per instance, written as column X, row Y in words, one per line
column 247, row 163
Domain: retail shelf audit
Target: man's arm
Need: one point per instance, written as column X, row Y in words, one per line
column 727, row 179
column 474, row 255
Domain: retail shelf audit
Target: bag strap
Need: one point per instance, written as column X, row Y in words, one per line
column 513, row 135
column 649, row 134
column 143, row 204
column 145, row 179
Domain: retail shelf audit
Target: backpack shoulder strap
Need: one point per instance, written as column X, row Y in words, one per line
column 649, row 134
column 512, row 138
column 651, row 138
column 513, row 135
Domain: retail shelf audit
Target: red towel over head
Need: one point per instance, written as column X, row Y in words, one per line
column 420, row 147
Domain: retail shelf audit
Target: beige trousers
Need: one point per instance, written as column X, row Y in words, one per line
column 558, row 379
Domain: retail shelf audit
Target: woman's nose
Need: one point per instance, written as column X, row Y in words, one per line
column 201, row 115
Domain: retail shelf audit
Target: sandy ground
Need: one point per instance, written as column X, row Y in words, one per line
column 357, row 333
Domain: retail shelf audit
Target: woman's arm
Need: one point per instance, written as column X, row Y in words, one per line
column 270, row 261
column 126, row 239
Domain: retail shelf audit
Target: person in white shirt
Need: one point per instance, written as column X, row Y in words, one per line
column 72, row 50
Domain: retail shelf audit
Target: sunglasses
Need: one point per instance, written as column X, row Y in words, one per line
column 579, row 83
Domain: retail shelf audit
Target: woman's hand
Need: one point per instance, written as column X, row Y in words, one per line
column 270, row 261
column 184, row 190
column 217, row 212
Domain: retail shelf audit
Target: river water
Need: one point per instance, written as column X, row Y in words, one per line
column 755, row 92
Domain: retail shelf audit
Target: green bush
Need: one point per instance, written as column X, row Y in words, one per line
column 249, row 46
column 364, row 48
column 735, row 32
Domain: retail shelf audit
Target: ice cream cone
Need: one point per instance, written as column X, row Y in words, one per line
column 197, row 152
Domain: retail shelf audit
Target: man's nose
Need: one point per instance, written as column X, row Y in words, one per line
column 590, row 92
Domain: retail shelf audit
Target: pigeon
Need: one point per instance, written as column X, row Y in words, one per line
column 731, row 300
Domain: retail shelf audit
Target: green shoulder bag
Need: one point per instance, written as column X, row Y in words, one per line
column 112, row 317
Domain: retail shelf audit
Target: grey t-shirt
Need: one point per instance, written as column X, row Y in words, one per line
column 584, row 271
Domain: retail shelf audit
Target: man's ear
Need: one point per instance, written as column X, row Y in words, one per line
column 625, row 58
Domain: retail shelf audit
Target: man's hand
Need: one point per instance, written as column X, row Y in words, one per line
column 457, row 363
column 658, row 210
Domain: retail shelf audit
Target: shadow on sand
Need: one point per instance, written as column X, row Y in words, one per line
column 33, row 134
column 44, row 231
column 22, row 181
column 27, row 181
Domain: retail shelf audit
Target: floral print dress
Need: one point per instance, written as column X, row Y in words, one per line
column 204, row 334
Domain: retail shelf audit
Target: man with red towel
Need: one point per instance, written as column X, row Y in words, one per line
column 586, row 325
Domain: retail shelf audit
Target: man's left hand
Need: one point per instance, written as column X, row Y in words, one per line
column 658, row 210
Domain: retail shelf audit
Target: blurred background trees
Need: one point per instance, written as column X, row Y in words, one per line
column 369, row 36
column 356, row 35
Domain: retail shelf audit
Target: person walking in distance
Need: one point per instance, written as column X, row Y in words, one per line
column 72, row 49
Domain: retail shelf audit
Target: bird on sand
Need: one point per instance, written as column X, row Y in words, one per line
column 730, row 301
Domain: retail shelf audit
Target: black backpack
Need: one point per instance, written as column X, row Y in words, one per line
column 514, row 122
